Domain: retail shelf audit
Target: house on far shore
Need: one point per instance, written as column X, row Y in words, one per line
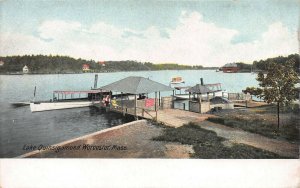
column 230, row 68
column 102, row 63
column 25, row 69
column 85, row 68
column 1, row 63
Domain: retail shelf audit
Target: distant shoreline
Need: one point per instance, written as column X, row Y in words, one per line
column 18, row 73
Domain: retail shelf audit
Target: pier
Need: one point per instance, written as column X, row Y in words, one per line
column 159, row 109
column 169, row 117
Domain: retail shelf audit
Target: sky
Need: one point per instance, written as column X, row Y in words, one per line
column 208, row 33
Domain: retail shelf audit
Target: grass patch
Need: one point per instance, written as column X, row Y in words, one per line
column 288, row 131
column 207, row 145
column 272, row 108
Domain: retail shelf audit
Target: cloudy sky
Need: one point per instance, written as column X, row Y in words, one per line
column 208, row 33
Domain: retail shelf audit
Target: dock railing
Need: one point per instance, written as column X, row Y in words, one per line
column 142, row 107
column 239, row 97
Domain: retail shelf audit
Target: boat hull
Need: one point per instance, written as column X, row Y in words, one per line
column 45, row 106
column 182, row 97
column 186, row 96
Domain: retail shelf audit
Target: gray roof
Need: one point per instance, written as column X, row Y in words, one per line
column 136, row 85
column 199, row 89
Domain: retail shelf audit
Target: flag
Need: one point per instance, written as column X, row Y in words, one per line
column 149, row 102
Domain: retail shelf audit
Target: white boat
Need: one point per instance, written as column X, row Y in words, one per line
column 222, row 93
column 180, row 92
column 44, row 106
column 60, row 100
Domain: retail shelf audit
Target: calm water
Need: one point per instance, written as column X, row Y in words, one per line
column 18, row 126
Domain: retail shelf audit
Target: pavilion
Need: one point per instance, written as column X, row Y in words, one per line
column 136, row 86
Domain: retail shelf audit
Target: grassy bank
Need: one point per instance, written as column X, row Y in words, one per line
column 208, row 145
column 263, row 121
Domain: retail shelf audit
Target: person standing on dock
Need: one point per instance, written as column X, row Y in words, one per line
column 107, row 100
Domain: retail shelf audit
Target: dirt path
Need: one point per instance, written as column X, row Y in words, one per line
column 134, row 140
column 235, row 135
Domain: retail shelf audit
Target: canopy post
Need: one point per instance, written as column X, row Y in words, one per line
column 207, row 96
column 208, row 100
column 110, row 94
column 159, row 98
column 173, row 98
column 155, row 106
column 122, row 104
column 189, row 101
column 135, row 101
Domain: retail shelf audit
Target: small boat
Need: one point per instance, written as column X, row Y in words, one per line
column 177, row 80
column 57, row 103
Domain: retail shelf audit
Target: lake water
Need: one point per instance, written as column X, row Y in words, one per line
column 18, row 126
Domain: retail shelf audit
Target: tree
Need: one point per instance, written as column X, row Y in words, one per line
column 278, row 85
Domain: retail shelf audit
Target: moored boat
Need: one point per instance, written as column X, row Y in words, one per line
column 180, row 92
column 44, row 106
column 60, row 100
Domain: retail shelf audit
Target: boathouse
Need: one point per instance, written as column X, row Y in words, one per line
column 85, row 67
column 131, row 95
column 102, row 63
column 230, row 68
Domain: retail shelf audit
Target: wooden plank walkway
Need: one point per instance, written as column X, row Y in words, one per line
column 176, row 117
column 170, row 117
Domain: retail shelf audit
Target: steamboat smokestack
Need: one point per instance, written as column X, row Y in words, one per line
column 201, row 81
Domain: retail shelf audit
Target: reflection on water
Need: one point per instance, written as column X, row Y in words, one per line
column 20, row 126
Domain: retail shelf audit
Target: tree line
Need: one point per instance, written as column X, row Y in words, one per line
column 65, row 64
column 263, row 65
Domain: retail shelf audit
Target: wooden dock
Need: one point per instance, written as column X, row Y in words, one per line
column 169, row 117
column 177, row 117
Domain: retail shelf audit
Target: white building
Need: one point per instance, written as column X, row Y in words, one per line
column 25, row 69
